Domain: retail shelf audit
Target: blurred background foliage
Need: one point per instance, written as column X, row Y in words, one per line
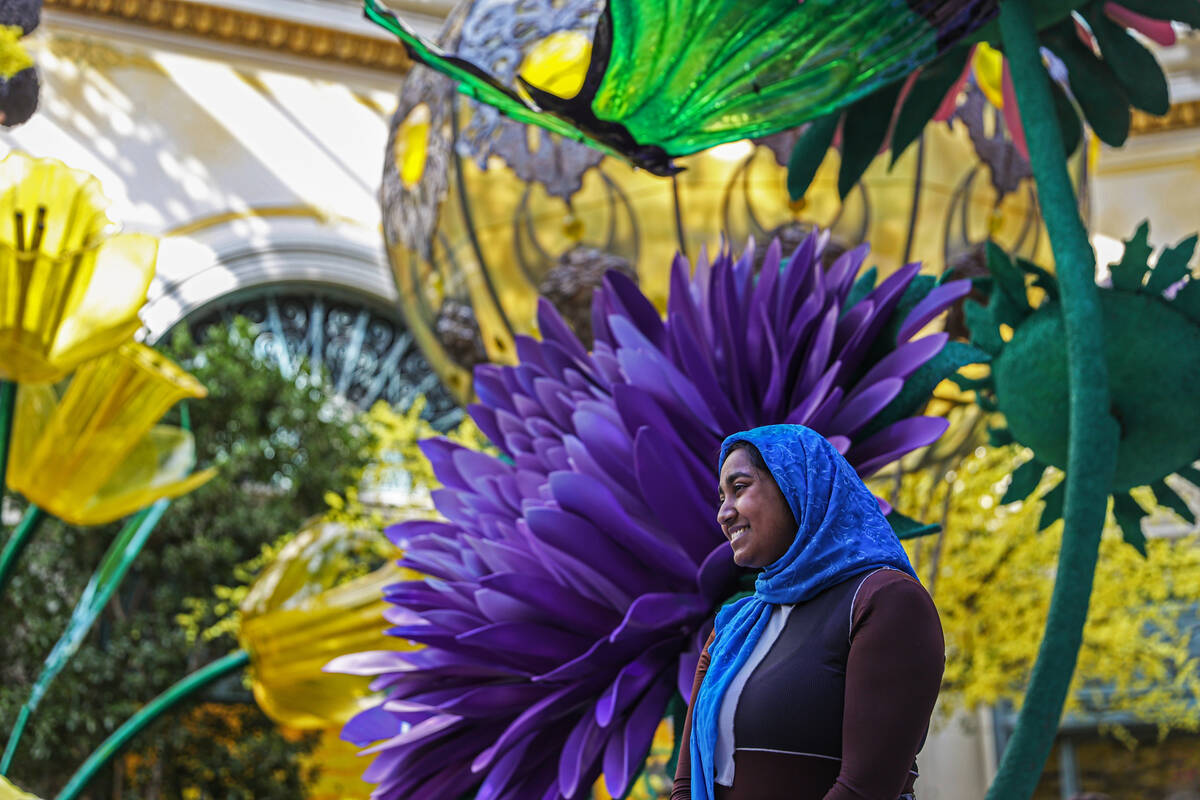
column 991, row 574
column 282, row 446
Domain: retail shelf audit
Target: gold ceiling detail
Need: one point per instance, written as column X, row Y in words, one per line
column 1181, row 116
column 246, row 29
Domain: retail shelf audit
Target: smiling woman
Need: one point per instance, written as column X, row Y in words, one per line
column 820, row 685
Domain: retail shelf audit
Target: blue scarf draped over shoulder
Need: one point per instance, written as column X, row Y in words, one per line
column 842, row 533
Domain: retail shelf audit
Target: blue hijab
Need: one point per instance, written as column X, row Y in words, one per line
column 842, row 533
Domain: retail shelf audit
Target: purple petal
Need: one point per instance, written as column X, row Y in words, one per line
column 894, row 441
column 934, row 303
column 624, row 755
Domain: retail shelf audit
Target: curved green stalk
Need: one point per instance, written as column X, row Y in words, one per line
column 1092, row 450
column 121, row 553
column 16, row 543
column 8, row 408
column 150, row 712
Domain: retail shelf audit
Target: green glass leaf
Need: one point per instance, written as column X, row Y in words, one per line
column 1129, row 516
column 926, row 97
column 672, row 77
column 1128, row 273
column 1025, row 480
column 863, row 133
column 1185, row 11
column 808, row 153
column 1052, row 511
column 1136, row 67
column 909, row 528
column 1093, row 83
column 1166, row 496
column 1172, row 266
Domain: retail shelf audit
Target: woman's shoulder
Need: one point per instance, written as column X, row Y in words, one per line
column 892, row 594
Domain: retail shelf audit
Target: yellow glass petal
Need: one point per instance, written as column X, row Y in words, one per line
column 558, row 64
column 339, row 769
column 289, row 646
column 13, row 57
column 103, row 509
column 989, row 73
column 68, row 291
column 10, row 792
column 293, row 624
column 105, row 414
column 74, row 217
column 411, row 148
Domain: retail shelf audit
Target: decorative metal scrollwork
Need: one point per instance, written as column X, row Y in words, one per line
column 364, row 345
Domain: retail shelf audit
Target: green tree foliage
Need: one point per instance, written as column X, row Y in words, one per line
column 281, row 444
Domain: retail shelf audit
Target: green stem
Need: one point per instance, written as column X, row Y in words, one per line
column 149, row 713
column 108, row 576
column 8, row 409
column 1092, row 446
column 20, row 538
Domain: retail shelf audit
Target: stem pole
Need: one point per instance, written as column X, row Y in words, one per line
column 147, row 714
column 1092, row 446
column 8, row 409
column 20, row 538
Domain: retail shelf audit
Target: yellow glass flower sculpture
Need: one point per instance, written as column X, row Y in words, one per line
column 96, row 454
column 10, row 792
column 298, row 616
column 70, row 287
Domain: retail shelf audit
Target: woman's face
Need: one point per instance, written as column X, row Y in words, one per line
column 754, row 514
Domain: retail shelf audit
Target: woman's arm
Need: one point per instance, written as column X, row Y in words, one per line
column 893, row 674
column 683, row 772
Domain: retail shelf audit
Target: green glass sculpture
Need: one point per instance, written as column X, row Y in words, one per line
column 672, row 77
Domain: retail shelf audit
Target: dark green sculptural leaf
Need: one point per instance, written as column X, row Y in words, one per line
column 1185, row 11
column 1171, row 266
column 863, row 134
column 909, row 528
column 926, row 97
column 1094, row 85
column 1052, row 511
column 1024, row 481
column 1129, row 516
column 1135, row 67
column 1129, row 272
column 920, row 385
column 808, row 153
column 1068, row 119
column 862, row 287
column 1166, row 496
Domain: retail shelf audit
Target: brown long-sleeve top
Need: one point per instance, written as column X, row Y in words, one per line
column 840, row 705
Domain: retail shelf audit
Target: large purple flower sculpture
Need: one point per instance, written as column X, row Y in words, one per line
column 574, row 580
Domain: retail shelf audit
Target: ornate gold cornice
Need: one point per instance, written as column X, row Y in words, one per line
column 246, row 29
column 1180, row 117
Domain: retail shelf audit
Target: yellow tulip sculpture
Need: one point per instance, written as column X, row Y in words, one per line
column 10, row 792
column 70, row 286
column 297, row 616
column 95, row 454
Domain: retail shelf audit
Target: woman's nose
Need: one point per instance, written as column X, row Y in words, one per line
column 725, row 513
